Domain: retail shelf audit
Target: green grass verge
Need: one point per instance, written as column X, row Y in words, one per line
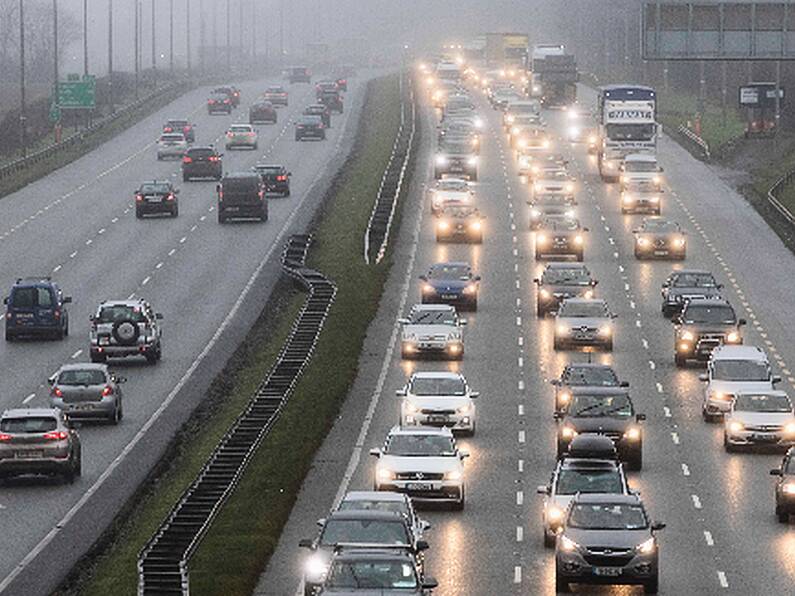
column 677, row 108
column 240, row 542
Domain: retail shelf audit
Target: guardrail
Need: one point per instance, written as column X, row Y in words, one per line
column 785, row 180
column 702, row 145
column 23, row 163
column 163, row 562
column 376, row 237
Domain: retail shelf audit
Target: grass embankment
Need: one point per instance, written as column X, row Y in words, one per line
column 240, row 542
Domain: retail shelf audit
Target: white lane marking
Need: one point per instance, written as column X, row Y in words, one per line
column 73, row 255
column 522, row 436
column 146, row 280
column 517, row 284
column 519, row 321
column 708, row 538
column 131, row 296
column 171, row 252
column 519, row 533
column 724, row 583
column 685, row 470
column 637, row 323
column 102, row 231
column 521, row 385
column 521, row 362
column 652, row 365
column 521, row 465
column 519, row 497
column 675, row 438
column 659, row 388
column 77, row 354
column 521, row 341
column 521, row 409
column 89, row 242
column 28, row 398
column 517, row 575
column 667, row 411
column 159, row 265
column 114, row 220
column 183, row 239
column 56, row 269
column 696, row 501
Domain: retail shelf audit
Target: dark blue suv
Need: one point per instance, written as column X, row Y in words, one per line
column 36, row 306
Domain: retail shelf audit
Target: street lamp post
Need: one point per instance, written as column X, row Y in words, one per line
column 85, row 37
column 154, row 48
column 187, row 35
column 228, row 38
column 55, row 44
column 171, row 36
column 137, row 42
column 22, row 102
column 110, row 56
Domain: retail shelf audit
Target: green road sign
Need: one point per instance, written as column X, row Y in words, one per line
column 77, row 94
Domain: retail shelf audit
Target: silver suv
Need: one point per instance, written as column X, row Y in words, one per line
column 123, row 328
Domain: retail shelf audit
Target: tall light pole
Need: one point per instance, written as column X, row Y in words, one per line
column 110, row 55
column 171, row 36
column 85, row 37
column 281, row 32
column 187, row 35
column 55, row 44
column 253, row 25
column 154, row 49
column 202, row 36
column 137, row 44
column 22, row 102
column 228, row 37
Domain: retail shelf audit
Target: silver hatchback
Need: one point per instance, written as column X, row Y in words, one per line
column 87, row 390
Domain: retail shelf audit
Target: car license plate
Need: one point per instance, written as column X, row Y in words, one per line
column 439, row 418
column 25, row 315
column 104, row 341
column 607, row 571
column 29, row 454
column 231, row 208
column 763, row 437
column 421, row 486
column 449, row 296
column 154, row 199
column 660, row 253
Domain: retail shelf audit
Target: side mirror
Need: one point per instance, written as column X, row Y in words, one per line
column 424, row 277
column 640, row 417
column 375, row 452
column 289, row 173
column 661, row 170
column 703, row 377
column 176, row 191
column 657, row 526
column 305, row 543
column 463, row 454
column 776, row 472
column 536, row 280
column 321, row 521
column 594, row 282
column 624, row 384
column 403, row 321
column 91, row 318
column 557, row 415
column 776, row 379
column 401, row 392
column 67, row 300
column 555, row 382
column 159, row 316
column 742, row 322
column 51, row 380
column 5, row 300
column 474, row 394
column 425, row 525
column 217, row 188
column 542, row 490
column 476, row 278
column 666, row 284
column 462, row 321
column 429, row 583
column 422, row 545
column 719, row 286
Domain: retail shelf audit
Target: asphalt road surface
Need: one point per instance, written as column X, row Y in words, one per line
column 209, row 281
column 722, row 536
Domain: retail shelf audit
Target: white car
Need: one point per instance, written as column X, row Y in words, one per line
column 638, row 198
column 171, row 145
column 642, row 170
column 451, row 192
column 432, row 329
column 730, row 370
column 365, row 500
column 241, row 135
column 440, row 399
column 521, row 107
column 423, row 462
column 554, row 181
column 584, row 322
column 761, row 419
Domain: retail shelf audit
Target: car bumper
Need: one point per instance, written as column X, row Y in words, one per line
column 461, row 300
column 277, row 188
column 121, row 351
column 573, row 567
column 416, row 349
column 250, row 144
column 202, row 172
column 172, row 153
column 315, row 134
column 40, row 465
column 103, row 408
column 242, row 210
column 161, row 207
column 640, row 207
column 651, row 252
column 762, row 439
column 455, row 422
column 580, row 340
column 558, row 250
column 432, row 491
column 33, row 328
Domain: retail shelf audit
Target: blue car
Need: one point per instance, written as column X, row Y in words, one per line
column 451, row 283
column 36, row 307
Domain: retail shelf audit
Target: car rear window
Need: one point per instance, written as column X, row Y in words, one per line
column 177, row 123
column 111, row 314
column 172, row 137
column 31, row 297
column 200, row 152
column 81, row 377
column 248, row 184
column 269, row 171
column 28, row 424
column 154, row 188
column 240, row 128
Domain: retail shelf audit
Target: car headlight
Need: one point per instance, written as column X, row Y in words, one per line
column 632, row 434
column 541, row 239
column 574, row 131
column 478, row 123
column 569, row 213
column 687, row 336
column 470, row 289
column 538, row 187
column 643, row 241
column 646, row 547
column 441, row 160
column 568, row 545
column 605, row 331
column 588, row 294
column 515, row 130
column 569, row 188
column 522, row 143
column 453, row 475
column 535, row 213
column 545, row 144
column 428, row 289
column 476, row 225
column 546, row 294
column 611, row 165
column 789, row 428
column 733, row 337
column 655, row 199
column 679, row 242
column 592, row 139
column 411, row 408
column 536, row 89
column 567, row 432
column 561, row 330
column 472, row 161
column 316, row 567
column 578, row 240
column 443, row 225
column 788, row 488
column 628, row 199
column 510, row 119
column 554, row 514
column 465, row 409
column 564, row 397
column 720, row 396
column 656, row 180
column 736, row 427
column 384, row 474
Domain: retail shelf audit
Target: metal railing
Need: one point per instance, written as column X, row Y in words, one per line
column 783, row 181
column 23, row 163
column 691, row 136
column 376, row 236
column 163, row 562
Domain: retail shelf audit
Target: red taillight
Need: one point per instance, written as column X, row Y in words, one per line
column 186, row 129
column 56, row 392
column 56, row 435
column 108, row 390
column 215, row 158
column 187, row 160
column 226, row 101
column 57, row 314
column 5, row 437
column 230, row 134
column 220, row 195
column 140, row 197
column 281, row 178
column 170, row 197
column 251, row 134
column 167, row 129
column 210, row 101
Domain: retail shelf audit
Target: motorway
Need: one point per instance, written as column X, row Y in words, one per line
column 209, row 281
column 722, row 536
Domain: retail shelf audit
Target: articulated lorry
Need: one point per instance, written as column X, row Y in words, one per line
column 506, row 50
column 555, row 76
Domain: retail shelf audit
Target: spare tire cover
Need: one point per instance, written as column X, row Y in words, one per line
column 126, row 332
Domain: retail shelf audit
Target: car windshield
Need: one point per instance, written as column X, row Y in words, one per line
column 456, row 148
column 617, row 406
column 111, row 314
column 31, row 297
column 372, row 575
column 694, row 280
column 201, row 153
column 269, row 170
column 438, row 386
column 572, row 481
column 550, row 199
column 314, row 120
column 740, row 370
column 554, row 176
column 596, row 310
column 449, row 272
column 591, row 376
column 177, row 123
column 660, row 226
column 432, row 317
column 518, row 108
column 763, row 403
column 374, row 505
column 362, row 530
column 420, row 445
column 274, row 90
column 154, row 188
column 631, row 132
column 717, row 315
column 576, row 276
column 28, row 424
column 640, row 166
column 525, row 119
column 81, row 377
column 562, row 224
column 607, row 516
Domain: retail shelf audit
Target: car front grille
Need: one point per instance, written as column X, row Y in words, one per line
column 607, row 557
column 765, row 428
column 419, row 476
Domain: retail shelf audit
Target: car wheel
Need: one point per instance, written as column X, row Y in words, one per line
column 185, row 178
column 707, row 416
column 221, row 218
column 556, row 344
column 652, row 586
column 9, row 336
column 580, row 257
column 286, row 193
column 98, row 358
column 728, row 446
column 151, row 356
column 549, row 540
column 562, row 585
column 540, row 312
column 459, row 505
column 175, row 212
column 66, row 328
column 473, row 305
column 608, row 347
column 139, row 214
column 635, row 461
column 256, row 146
column 116, row 417
column 69, row 475
column 680, row 361
column 782, row 515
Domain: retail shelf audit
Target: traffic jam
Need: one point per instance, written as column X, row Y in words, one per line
column 595, row 523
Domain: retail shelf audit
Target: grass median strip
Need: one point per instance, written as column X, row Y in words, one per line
column 243, row 536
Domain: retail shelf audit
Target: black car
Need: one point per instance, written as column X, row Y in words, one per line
column 183, row 126
column 276, row 178
column 456, row 158
column 583, row 374
column 607, row 539
column 785, row 486
column 219, row 103
column 342, row 84
column 459, row 224
column 325, row 86
column 658, row 237
column 605, row 411
column 702, row 326
column 688, row 284
column 241, row 194
column 36, row 306
column 333, row 101
column 309, row 127
column 560, row 236
column 201, row 162
column 451, row 283
column 318, row 109
column 156, row 196
column 299, row 74
column 262, row 112
column 233, row 93
column 560, row 281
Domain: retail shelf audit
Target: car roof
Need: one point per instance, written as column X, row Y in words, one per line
column 631, row 499
column 585, row 301
column 584, row 463
column 30, row 412
column 155, row 182
column 201, row 148
column 84, row 366
column 641, row 157
column 708, row 302
column 367, row 554
column 139, row 302
column 566, row 265
column 437, row 375
column 369, row 514
column 241, row 176
column 598, row 390
column 434, row 307
column 738, row 352
column 375, row 495
column 421, row 430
